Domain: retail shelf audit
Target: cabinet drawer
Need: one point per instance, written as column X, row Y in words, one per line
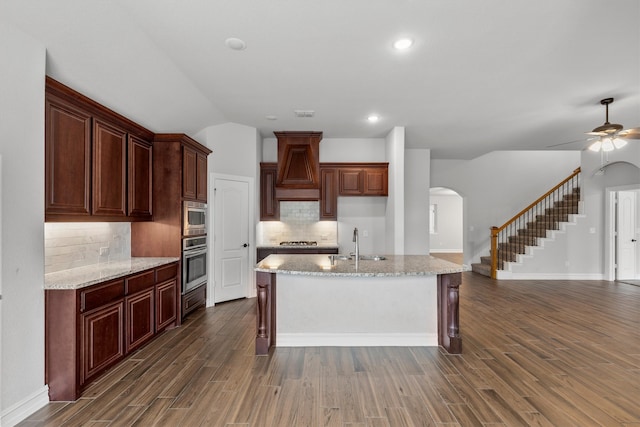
column 166, row 272
column 140, row 282
column 100, row 295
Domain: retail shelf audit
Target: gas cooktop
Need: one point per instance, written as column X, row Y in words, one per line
column 299, row 243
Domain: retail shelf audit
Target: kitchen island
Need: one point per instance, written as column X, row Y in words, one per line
column 401, row 300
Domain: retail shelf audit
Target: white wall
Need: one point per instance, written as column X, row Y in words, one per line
column 395, row 202
column 449, row 225
column 498, row 185
column 416, row 203
column 22, row 151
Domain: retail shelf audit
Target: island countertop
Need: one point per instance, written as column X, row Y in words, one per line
column 393, row 265
column 81, row 277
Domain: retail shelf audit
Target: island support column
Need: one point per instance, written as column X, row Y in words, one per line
column 266, row 312
column 449, row 312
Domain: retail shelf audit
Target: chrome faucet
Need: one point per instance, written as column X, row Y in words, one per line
column 357, row 244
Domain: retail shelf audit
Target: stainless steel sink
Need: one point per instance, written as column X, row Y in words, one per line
column 372, row 258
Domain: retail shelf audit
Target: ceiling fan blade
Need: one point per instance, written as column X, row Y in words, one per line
column 597, row 133
column 571, row 142
column 632, row 133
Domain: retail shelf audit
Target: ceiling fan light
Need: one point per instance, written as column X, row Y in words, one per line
column 619, row 142
column 596, row 146
column 607, row 145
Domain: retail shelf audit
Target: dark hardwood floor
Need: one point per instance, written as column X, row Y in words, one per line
column 543, row 353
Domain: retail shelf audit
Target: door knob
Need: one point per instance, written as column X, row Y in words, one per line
column 633, row 240
column 245, row 245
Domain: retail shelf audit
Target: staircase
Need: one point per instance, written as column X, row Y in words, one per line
column 531, row 224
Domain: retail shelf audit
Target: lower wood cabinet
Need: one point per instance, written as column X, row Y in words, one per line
column 140, row 318
column 194, row 299
column 88, row 330
column 101, row 342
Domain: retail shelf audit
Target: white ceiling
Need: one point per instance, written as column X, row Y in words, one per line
column 482, row 75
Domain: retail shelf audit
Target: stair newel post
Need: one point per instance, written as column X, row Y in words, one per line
column 494, row 251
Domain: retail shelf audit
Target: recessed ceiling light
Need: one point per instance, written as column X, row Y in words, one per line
column 402, row 44
column 270, row 117
column 235, row 43
column 373, row 118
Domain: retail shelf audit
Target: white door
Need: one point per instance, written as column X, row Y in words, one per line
column 231, row 238
column 627, row 239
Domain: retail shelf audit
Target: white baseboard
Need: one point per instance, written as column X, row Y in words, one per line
column 445, row 251
column 357, row 340
column 27, row 406
column 507, row 275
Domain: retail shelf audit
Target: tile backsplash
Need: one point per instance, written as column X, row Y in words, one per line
column 298, row 221
column 71, row 245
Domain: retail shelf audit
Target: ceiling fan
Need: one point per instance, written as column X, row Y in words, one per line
column 609, row 136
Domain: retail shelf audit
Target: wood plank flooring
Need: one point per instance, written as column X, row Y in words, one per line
column 538, row 353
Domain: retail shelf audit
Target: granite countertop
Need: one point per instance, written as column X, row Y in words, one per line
column 81, row 277
column 393, row 265
column 310, row 247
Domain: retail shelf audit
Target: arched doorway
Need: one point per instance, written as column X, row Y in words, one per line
column 446, row 226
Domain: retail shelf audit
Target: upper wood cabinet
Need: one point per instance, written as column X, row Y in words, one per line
column 363, row 179
column 109, row 169
column 269, row 205
column 194, row 174
column 328, row 194
column 67, row 158
column 140, row 178
column 97, row 163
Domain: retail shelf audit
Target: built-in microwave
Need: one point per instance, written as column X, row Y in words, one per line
column 194, row 218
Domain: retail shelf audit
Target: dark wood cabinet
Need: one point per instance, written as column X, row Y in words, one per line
column 90, row 329
column 298, row 167
column 189, row 173
column 92, row 161
column 101, row 340
column 201, row 177
column 269, row 205
column 194, row 174
column 140, row 319
column 166, row 304
column 363, row 179
column 194, row 299
column 109, row 169
column 328, row 194
column 140, row 178
column 67, row 159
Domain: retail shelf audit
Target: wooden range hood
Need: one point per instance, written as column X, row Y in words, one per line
column 298, row 171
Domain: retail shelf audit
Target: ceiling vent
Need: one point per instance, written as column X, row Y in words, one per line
column 304, row 113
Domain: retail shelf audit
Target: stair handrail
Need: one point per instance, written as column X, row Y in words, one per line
column 496, row 230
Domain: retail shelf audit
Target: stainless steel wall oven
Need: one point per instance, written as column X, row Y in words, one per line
column 194, row 262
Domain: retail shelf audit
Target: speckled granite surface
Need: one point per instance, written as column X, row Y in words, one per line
column 318, row 246
column 393, row 265
column 81, row 277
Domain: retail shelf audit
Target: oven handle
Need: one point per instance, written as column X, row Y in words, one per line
column 194, row 252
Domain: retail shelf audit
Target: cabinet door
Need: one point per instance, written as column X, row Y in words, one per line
column 269, row 206
column 328, row 195
column 140, row 180
column 189, row 173
column 101, row 340
column 67, row 159
column 166, row 304
column 375, row 181
column 350, row 182
column 140, row 318
column 201, row 177
column 109, row 169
